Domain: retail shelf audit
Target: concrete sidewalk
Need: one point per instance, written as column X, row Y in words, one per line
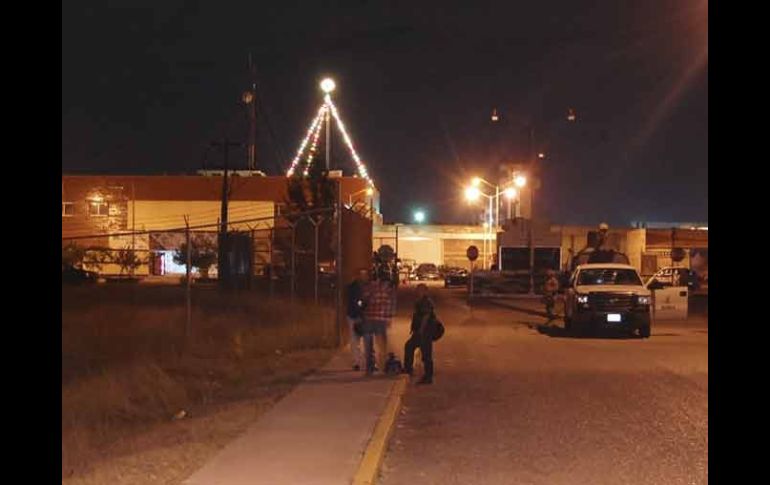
column 316, row 435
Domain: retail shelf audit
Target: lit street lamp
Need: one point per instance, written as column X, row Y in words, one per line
column 419, row 216
column 369, row 192
column 473, row 193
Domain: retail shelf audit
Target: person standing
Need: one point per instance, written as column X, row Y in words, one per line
column 379, row 306
column 421, row 335
column 355, row 315
column 550, row 289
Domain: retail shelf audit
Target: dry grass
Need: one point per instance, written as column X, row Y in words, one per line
column 126, row 365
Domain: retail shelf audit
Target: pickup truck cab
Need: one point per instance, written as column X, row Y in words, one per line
column 607, row 296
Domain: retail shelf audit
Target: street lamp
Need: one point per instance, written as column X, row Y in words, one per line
column 419, row 216
column 472, row 194
column 369, row 192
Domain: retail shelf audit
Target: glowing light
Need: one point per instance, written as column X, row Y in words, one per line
column 541, row 155
column 370, row 191
column 328, row 85
column 328, row 108
column 520, row 181
column 313, row 145
column 313, row 125
column 495, row 116
column 472, row 193
column 571, row 116
column 476, row 181
column 359, row 164
column 510, row 192
column 419, row 216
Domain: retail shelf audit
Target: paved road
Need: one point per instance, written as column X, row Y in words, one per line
column 512, row 405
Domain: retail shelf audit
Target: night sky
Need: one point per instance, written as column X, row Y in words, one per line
column 146, row 86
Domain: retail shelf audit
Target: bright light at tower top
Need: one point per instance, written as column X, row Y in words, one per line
column 328, row 85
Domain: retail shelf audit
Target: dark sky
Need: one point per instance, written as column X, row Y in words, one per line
column 146, row 86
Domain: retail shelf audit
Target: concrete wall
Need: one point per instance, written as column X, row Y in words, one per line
column 157, row 215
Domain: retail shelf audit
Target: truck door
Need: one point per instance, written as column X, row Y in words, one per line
column 670, row 303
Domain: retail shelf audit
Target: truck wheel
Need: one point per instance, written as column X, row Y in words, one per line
column 567, row 323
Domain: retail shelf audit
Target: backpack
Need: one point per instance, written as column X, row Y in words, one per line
column 438, row 329
column 393, row 365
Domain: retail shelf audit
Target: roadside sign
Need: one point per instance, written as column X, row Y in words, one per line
column 472, row 253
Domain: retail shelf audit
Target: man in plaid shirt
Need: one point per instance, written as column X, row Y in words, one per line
column 379, row 298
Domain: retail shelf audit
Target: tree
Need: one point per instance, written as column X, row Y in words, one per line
column 128, row 260
column 72, row 256
column 203, row 254
column 76, row 256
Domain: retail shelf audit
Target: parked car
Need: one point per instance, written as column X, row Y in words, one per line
column 607, row 296
column 428, row 271
column 75, row 276
column 456, row 277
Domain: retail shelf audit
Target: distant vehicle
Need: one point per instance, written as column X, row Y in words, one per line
column 669, row 276
column 456, row 277
column 607, row 296
column 428, row 271
column 76, row 276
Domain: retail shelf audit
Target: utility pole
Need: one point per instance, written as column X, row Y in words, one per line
column 188, row 266
column 338, row 263
column 250, row 98
column 223, row 266
column 531, row 209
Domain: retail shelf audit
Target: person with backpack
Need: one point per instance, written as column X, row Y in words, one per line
column 423, row 331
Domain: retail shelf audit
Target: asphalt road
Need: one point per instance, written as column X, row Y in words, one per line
column 514, row 404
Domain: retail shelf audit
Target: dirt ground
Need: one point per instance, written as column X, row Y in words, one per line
column 169, row 452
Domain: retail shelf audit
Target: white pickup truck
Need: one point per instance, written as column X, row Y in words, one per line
column 607, row 296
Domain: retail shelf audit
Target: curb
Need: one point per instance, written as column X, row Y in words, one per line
column 375, row 450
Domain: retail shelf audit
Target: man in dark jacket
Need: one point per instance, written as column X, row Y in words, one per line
column 355, row 315
column 423, row 321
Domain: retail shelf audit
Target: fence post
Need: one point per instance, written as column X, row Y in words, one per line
column 293, row 258
column 270, row 256
column 339, row 262
column 315, row 254
column 188, row 320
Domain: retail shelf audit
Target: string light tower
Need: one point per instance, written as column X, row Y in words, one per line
column 324, row 115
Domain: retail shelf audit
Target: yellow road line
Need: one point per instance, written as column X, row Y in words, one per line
column 375, row 450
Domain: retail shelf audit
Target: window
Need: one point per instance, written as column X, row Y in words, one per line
column 67, row 209
column 608, row 276
column 98, row 209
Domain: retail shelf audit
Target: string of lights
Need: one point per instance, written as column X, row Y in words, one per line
column 314, row 144
column 327, row 109
column 316, row 121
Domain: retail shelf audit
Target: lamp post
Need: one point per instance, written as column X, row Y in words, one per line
column 327, row 86
column 369, row 192
column 473, row 192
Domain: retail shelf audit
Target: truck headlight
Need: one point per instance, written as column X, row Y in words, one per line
column 643, row 300
column 582, row 299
